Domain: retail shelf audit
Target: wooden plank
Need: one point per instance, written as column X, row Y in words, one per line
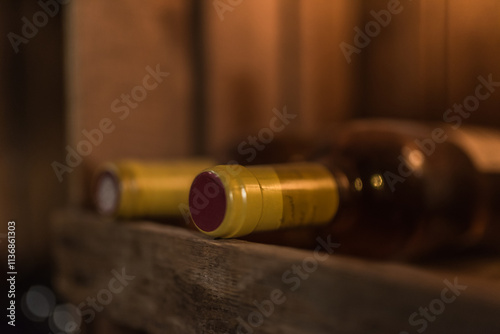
column 6, row 165
column 289, row 59
column 242, row 81
column 431, row 91
column 390, row 62
column 103, row 325
column 32, row 130
column 405, row 66
column 112, row 48
column 6, row 200
column 42, row 129
column 328, row 83
column 473, row 51
column 185, row 282
column 267, row 54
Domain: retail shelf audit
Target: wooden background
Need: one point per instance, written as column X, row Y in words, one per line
column 230, row 67
column 32, row 132
column 227, row 74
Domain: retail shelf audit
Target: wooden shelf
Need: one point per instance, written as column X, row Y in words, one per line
column 187, row 283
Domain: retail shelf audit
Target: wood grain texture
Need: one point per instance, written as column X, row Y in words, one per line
column 31, row 131
column 243, row 78
column 262, row 55
column 110, row 45
column 6, row 165
column 187, row 283
column 473, row 50
column 429, row 58
column 103, row 325
column 391, row 73
column 431, row 91
column 328, row 83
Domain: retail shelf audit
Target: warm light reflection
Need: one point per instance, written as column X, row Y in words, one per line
column 414, row 159
column 358, row 184
column 377, row 181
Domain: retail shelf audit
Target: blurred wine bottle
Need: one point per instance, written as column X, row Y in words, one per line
column 160, row 189
column 384, row 189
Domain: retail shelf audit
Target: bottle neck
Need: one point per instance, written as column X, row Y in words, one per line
column 232, row 200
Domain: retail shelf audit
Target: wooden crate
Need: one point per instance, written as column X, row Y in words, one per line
column 227, row 76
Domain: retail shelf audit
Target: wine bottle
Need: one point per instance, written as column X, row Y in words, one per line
column 386, row 189
column 160, row 189
column 132, row 188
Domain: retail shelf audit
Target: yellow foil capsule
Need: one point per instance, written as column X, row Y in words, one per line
column 231, row 200
column 131, row 189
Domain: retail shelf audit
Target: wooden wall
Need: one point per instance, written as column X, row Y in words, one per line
column 227, row 73
column 31, row 134
column 110, row 44
column 327, row 84
column 429, row 58
column 242, row 59
column 473, row 50
column 242, row 72
column 266, row 54
column 262, row 55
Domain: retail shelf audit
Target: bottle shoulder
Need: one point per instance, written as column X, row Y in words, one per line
column 415, row 141
column 401, row 181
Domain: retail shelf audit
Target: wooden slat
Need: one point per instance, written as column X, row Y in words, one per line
column 103, row 325
column 42, row 129
column 32, row 131
column 243, row 84
column 267, row 54
column 6, row 165
column 431, row 92
column 327, row 81
column 474, row 50
column 429, row 58
column 390, row 63
column 187, row 283
column 110, row 45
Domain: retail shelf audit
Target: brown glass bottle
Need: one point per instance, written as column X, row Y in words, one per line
column 386, row 189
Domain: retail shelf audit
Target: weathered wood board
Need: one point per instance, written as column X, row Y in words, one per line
column 185, row 282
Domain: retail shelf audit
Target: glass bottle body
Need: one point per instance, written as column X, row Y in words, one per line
column 404, row 194
column 403, row 190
